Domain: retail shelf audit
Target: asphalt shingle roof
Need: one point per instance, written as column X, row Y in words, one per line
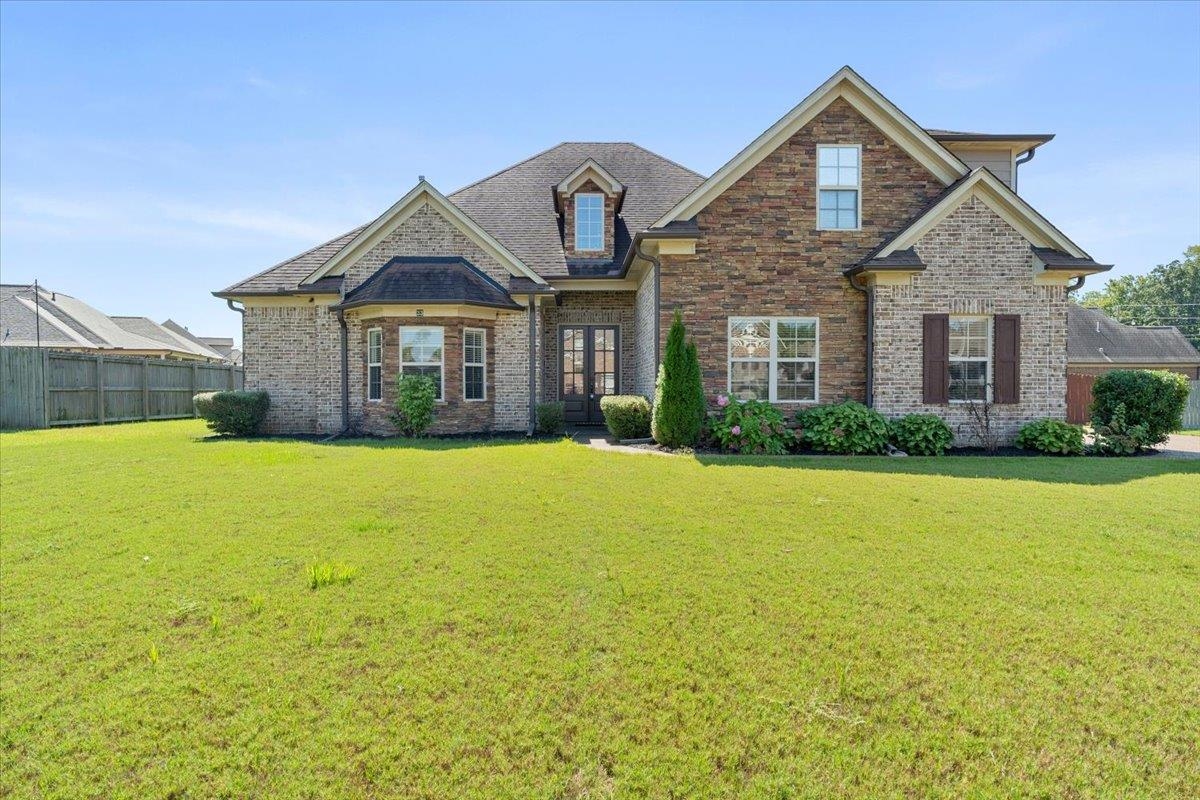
column 419, row 279
column 516, row 206
column 1094, row 337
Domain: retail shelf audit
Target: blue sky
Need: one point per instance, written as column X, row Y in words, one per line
column 150, row 154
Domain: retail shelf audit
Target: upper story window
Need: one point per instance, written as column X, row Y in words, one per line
column 589, row 222
column 838, row 187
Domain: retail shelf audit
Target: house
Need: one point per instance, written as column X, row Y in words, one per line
column 39, row 317
column 846, row 253
column 1096, row 344
column 222, row 345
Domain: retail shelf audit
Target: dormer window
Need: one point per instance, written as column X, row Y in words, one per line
column 589, row 221
column 838, row 187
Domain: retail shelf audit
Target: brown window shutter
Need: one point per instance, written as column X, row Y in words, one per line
column 935, row 358
column 1006, row 385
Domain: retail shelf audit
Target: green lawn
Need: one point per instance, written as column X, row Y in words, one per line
column 545, row 621
column 1188, row 433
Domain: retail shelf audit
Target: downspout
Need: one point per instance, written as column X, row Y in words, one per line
column 1025, row 159
column 870, row 293
column 345, row 371
column 657, row 296
column 532, row 364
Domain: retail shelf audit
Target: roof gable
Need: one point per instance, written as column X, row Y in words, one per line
column 993, row 192
column 421, row 195
column 597, row 174
column 864, row 98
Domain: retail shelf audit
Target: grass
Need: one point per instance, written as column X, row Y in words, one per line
column 1188, row 433
column 548, row 621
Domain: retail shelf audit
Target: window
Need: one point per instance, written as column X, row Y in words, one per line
column 970, row 359
column 589, row 222
column 421, row 354
column 773, row 358
column 838, row 187
column 474, row 364
column 375, row 364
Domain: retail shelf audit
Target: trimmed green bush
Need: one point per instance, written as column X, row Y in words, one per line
column 752, row 426
column 551, row 418
column 848, row 428
column 626, row 415
column 234, row 413
column 1119, row 438
column 1051, row 436
column 678, row 413
column 416, row 402
column 921, row 434
column 1152, row 399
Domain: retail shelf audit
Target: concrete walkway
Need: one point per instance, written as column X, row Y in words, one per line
column 1180, row 447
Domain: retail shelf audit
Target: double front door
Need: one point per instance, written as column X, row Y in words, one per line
column 589, row 368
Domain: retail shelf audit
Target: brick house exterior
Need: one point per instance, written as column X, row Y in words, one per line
column 844, row 254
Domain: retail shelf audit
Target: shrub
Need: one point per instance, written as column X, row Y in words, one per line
column 678, row 412
column 848, row 428
column 626, row 415
column 921, row 434
column 551, row 418
column 1051, row 436
column 1155, row 400
column 416, row 399
column 1118, row 438
column 752, row 426
column 236, row 413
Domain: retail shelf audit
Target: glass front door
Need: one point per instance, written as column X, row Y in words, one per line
column 589, row 370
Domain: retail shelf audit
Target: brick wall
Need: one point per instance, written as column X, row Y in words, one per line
column 512, row 370
column 587, row 308
column 455, row 414
column 760, row 252
column 588, row 187
column 425, row 233
column 976, row 264
column 645, row 366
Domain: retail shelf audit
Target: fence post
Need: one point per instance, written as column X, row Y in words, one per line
column 145, row 388
column 46, row 388
column 193, row 392
column 229, row 382
column 100, row 389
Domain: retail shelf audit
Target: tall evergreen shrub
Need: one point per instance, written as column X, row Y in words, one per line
column 679, row 392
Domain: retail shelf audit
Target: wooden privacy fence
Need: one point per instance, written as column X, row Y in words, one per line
column 42, row 388
column 1191, row 414
column 1079, row 397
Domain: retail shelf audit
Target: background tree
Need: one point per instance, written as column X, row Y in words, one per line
column 1169, row 295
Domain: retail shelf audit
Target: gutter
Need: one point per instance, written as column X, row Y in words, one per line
column 532, row 364
column 1025, row 159
column 870, row 293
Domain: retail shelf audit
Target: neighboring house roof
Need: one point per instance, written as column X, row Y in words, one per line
column 435, row 280
column 221, row 345
column 144, row 326
column 69, row 322
column 1095, row 338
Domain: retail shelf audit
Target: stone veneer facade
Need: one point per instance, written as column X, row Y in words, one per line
column 976, row 263
column 760, row 253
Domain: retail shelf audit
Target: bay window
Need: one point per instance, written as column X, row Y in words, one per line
column 421, row 353
column 375, row 364
column 474, row 364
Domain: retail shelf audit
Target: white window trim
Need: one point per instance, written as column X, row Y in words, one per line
column 858, row 188
column 371, row 363
column 603, row 232
column 986, row 358
column 400, row 344
column 483, row 333
column 772, row 360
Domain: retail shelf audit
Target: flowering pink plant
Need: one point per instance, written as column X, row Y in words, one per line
column 750, row 426
column 736, row 430
column 722, row 400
